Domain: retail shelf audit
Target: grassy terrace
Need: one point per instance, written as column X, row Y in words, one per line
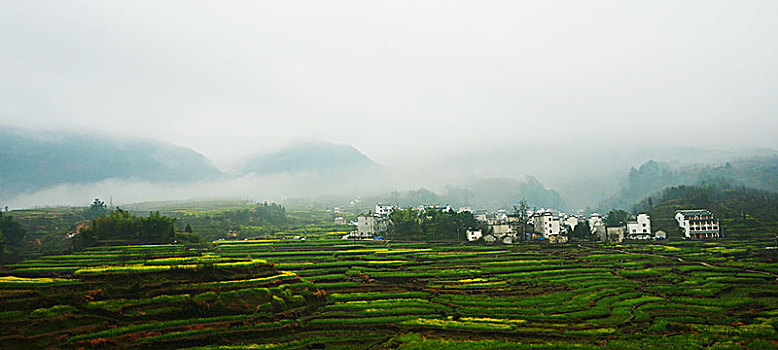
column 285, row 294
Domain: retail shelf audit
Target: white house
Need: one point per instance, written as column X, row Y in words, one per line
column 698, row 224
column 546, row 224
column 383, row 210
column 640, row 228
column 503, row 229
column 370, row 226
column 474, row 235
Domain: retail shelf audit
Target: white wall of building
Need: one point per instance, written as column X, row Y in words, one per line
column 546, row 224
column 370, row 226
column 595, row 221
column 698, row 223
column 384, row 210
column 571, row 221
column 474, row 235
column 502, row 229
column 641, row 225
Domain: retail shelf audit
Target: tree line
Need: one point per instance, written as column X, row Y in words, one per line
column 432, row 225
column 122, row 226
column 11, row 239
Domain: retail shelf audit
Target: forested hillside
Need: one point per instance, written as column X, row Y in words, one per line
column 743, row 211
column 754, row 172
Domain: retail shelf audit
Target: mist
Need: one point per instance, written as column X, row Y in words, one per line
column 440, row 93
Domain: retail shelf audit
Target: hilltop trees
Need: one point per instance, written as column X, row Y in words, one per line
column 122, row 227
column 97, row 208
column 267, row 214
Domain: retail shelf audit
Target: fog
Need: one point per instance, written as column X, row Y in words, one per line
column 450, row 90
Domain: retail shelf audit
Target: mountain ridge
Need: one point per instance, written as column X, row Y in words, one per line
column 309, row 157
column 32, row 161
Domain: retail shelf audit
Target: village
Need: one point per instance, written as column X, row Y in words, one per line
column 550, row 225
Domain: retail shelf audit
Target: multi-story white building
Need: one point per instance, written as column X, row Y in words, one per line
column 698, row 224
column 546, row 224
column 639, row 228
column 369, row 226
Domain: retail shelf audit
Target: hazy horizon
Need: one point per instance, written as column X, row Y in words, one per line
column 456, row 89
column 232, row 79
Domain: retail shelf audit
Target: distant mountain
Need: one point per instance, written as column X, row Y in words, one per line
column 492, row 194
column 504, row 193
column 320, row 157
column 32, row 161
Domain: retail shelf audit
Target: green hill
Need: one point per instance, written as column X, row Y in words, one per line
column 742, row 211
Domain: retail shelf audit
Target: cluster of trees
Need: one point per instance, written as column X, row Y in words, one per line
column 432, row 225
column 582, row 230
column 263, row 213
column 96, row 209
column 11, row 238
column 258, row 219
column 617, row 217
column 121, row 226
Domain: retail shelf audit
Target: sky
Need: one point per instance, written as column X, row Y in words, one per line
column 396, row 79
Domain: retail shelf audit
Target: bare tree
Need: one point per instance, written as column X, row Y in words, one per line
column 521, row 213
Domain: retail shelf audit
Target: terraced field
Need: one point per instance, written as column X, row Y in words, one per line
column 284, row 294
